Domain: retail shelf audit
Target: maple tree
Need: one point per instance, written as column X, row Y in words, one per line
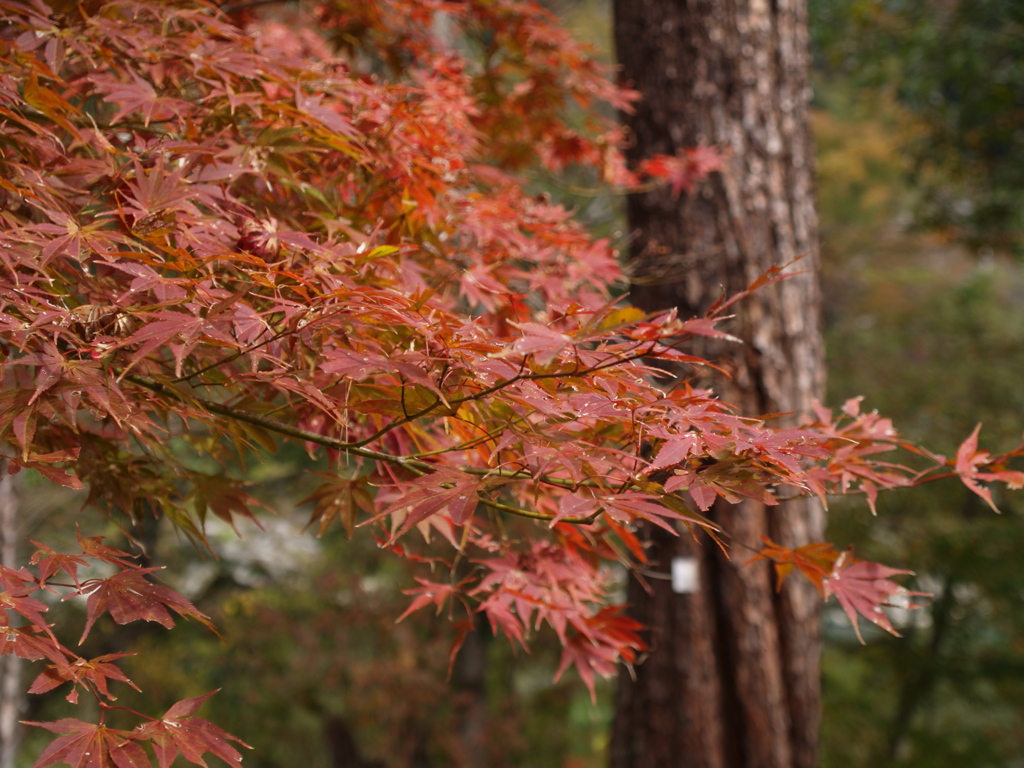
column 224, row 231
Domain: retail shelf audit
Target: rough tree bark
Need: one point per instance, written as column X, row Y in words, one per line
column 732, row 677
column 12, row 697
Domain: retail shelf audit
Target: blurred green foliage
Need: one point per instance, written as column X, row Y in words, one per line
column 958, row 67
column 932, row 336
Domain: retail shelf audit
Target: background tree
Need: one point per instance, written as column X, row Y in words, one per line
column 731, row 678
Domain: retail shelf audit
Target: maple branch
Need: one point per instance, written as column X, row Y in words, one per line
column 228, row 9
column 106, row 706
column 279, row 427
column 519, row 511
column 232, row 357
column 461, row 447
column 520, row 474
column 575, row 372
column 451, row 403
column 409, row 463
column 606, row 191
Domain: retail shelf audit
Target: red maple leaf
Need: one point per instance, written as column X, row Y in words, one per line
column 969, row 459
column 629, row 506
column 815, row 561
column 31, row 644
column 683, row 170
column 96, row 671
column 14, row 596
column 51, row 562
column 863, row 588
column 93, row 546
column 443, row 491
column 431, row 592
column 177, row 732
column 604, row 639
column 128, row 597
column 87, row 745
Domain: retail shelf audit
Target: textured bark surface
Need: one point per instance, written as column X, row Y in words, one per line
column 732, row 678
column 12, row 698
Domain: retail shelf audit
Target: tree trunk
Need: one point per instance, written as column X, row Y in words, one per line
column 12, row 698
column 469, row 684
column 732, row 676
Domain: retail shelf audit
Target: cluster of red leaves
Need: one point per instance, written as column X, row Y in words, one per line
column 229, row 232
column 127, row 595
column 861, row 588
column 684, row 170
column 174, row 733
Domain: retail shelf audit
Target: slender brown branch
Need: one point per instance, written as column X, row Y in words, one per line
column 276, row 426
column 236, row 7
column 588, row 520
column 232, row 357
column 454, row 404
column 469, row 444
column 414, row 465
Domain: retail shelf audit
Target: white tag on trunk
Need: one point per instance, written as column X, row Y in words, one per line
column 684, row 575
